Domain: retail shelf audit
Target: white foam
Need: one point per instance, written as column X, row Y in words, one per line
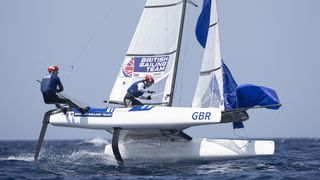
column 84, row 155
column 22, row 157
column 97, row 141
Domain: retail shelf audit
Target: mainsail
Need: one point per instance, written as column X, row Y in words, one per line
column 209, row 91
column 153, row 50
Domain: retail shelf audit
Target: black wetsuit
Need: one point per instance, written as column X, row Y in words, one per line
column 49, row 85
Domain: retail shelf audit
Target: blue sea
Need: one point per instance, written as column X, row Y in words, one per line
column 84, row 159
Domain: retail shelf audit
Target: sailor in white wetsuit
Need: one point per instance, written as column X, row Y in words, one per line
column 136, row 90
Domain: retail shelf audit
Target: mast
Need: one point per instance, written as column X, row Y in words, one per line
column 183, row 13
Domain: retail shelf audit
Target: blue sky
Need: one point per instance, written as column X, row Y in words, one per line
column 268, row 42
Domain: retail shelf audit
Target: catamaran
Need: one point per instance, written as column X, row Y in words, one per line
column 156, row 130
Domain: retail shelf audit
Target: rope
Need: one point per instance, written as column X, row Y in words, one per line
column 242, row 137
column 84, row 48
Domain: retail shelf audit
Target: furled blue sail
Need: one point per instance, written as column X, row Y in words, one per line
column 246, row 95
column 230, row 93
column 250, row 95
column 229, row 89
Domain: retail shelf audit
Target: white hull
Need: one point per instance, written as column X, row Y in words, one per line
column 142, row 117
column 196, row 149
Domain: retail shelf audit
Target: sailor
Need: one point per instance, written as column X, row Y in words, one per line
column 137, row 89
column 51, row 85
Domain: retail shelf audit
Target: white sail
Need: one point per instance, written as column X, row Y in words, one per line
column 152, row 50
column 209, row 90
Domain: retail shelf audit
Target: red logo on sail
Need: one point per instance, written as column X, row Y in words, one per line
column 128, row 68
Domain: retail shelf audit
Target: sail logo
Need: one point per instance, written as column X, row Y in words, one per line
column 139, row 66
column 127, row 70
column 150, row 64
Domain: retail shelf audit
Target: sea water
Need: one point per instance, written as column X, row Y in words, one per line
column 85, row 159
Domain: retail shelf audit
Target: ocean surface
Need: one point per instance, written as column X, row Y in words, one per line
column 85, row 159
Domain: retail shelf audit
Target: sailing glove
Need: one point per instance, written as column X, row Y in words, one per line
column 151, row 92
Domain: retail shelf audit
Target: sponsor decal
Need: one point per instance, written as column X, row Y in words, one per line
column 201, row 115
column 139, row 66
column 151, row 64
column 142, row 108
column 96, row 113
column 127, row 70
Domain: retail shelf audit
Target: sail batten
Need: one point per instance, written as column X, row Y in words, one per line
column 160, row 54
column 213, row 24
column 164, row 5
column 208, row 72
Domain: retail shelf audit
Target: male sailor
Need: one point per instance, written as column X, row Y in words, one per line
column 51, row 85
column 137, row 89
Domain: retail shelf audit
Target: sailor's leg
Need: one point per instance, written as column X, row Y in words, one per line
column 136, row 102
column 63, row 108
column 74, row 105
column 127, row 102
column 71, row 104
column 53, row 99
column 115, row 145
column 58, row 106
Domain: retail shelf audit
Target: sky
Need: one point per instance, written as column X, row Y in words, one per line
column 267, row 42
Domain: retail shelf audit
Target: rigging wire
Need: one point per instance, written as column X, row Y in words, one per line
column 245, row 136
column 192, row 3
column 84, row 48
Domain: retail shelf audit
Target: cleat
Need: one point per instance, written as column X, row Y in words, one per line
column 65, row 110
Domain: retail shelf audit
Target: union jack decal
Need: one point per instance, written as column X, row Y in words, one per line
column 127, row 70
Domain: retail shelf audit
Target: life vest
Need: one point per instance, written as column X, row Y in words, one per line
column 133, row 89
column 49, row 84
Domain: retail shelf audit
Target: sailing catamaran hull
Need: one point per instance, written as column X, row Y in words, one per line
column 196, row 149
column 140, row 117
column 171, row 143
